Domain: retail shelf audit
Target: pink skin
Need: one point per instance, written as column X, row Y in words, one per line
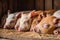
column 11, row 20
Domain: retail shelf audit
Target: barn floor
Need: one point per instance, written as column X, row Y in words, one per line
column 6, row 34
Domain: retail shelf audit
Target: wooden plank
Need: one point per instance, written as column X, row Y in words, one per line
column 39, row 4
column 48, row 4
column 57, row 4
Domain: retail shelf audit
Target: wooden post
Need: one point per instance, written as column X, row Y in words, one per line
column 11, row 5
column 15, row 5
column 5, row 6
column 48, row 4
column 0, row 10
column 57, row 4
column 39, row 4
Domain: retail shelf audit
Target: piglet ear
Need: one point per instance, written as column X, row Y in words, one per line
column 33, row 13
column 18, row 15
column 8, row 12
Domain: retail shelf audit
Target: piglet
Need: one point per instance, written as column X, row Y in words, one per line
column 36, row 21
column 24, row 23
column 11, row 19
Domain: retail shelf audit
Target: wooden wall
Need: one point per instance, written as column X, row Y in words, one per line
column 21, row 5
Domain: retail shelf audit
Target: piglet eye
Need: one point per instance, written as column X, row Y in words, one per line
column 41, row 16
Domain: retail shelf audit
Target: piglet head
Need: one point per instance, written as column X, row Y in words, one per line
column 11, row 19
column 25, row 21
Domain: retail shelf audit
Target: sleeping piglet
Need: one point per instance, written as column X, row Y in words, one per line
column 11, row 19
column 24, row 23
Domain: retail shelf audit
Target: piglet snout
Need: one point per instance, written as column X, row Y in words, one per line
column 55, row 32
column 46, row 25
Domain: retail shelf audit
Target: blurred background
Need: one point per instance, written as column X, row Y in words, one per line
column 23, row 5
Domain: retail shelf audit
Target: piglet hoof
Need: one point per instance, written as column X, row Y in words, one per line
column 6, row 27
column 16, row 27
column 19, row 30
column 37, row 30
column 56, row 32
